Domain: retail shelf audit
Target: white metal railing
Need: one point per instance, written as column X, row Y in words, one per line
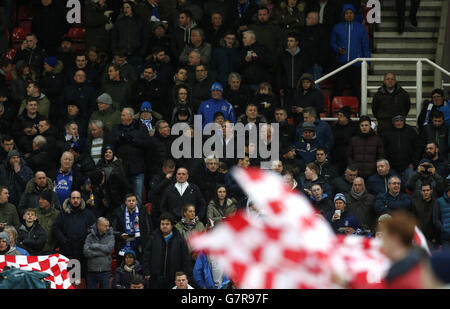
column 364, row 87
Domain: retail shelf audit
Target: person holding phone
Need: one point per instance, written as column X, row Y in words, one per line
column 340, row 218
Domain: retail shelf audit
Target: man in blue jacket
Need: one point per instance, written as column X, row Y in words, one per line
column 393, row 199
column 349, row 41
column 324, row 134
column 216, row 104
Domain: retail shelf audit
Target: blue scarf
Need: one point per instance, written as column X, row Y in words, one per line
column 242, row 10
column 155, row 11
column 131, row 227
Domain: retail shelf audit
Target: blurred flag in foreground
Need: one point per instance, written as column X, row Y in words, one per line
column 289, row 245
column 54, row 265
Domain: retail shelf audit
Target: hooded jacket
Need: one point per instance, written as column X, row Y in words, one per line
column 123, row 278
column 98, row 249
column 311, row 97
column 30, row 198
column 180, row 37
column 209, row 107
column 71, row 228
column 352, row 36
column 324, row 134
column 32, row 239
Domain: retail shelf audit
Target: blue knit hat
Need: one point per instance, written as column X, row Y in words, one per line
column 217, row 86
column 51, row 61
column 341, row 197
column 131, row 252
column 146, row 106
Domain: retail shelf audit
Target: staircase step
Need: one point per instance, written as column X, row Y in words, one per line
column 401, row 44
column 430, row 56
column 390, row 4
column 420, row 13
column 405, row 35
column 402, row 78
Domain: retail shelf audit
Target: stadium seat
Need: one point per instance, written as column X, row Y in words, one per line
column 19, row 34
column 148, row 208
column 339, row 102
column 25, row 12
column 10, row 53
column 76, row 34
column 326, row 106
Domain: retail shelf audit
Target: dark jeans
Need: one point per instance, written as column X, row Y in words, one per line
column 400, row 6
column 101, row 278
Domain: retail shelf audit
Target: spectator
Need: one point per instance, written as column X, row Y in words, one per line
column 393, row 199
column 73, row 141
column 432, row 153
column 426, row 172
column 182, row 193
column 12, row 232
column 145, row 115
column 5, row 247
column 67, row 178
column 441, row 217
column 403, row 147
column 21, row 76
column 323, row 131
column 189, row 222
column 437, row 102
column 96, row 140
column 31, row 54
column 98, row 24
column 131, row 225
column 360, row 203
column 422, row 209
column 47, row 213
column 97, row 249
column 311, row 177
column 181, row 281
column 170, row 243
column 130, row 140
column 127, row 71
column 52, row 84
column 365, row 149
column 66, row 52
column 81, row 92
column 400, row 7
column 150, row 88
column 215, row 29
column 242, row 14
column 236, row 94
column 254, row 61
column 326, row 170
column 224, row 56
column 49, row 131
column 341, row 218
column 81, row 63
column 7, row 144
column 32, row 237
column 34, row 188
column 152, row 13
column 49, row 24
column 106, row 112
column 182, row 32
column 39, row 158
column 389, row 101
column 71, row 228
column 8, row 212
column 34, row 93
column 183, row 100
column 209, row 107
column 343, row 130
column 291, row 17
column 268, row 33
column 320, row 200
column 438, row 132
column 378, row 183
column 15, row 175
column 160, row 59
column 185, row 5
column 118, row 88
column 137, row 282
column 220, row 206
column 197, row 42
column 25, row 126
column 207, row 176
column 307, row 145
column 292, row 66
column 130, row 267
column 349, row 34
column 201, row 86
column 330, row 12
column 307, row 96
column 289, row 160
column 129, row 33
column 208, row 274
column 287, row 131
column 72, row 113
column 343, row 184
column 266, row 100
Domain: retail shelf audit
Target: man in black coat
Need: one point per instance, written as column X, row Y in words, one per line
column 235, row 94
column 131, row 225
column 150, row 88
column 31, row 236
column 207, row 176
column 181, row 193
column 403, row 147
column 81, row 92
column 71, row 228
column 130, row 139
column 432, row 153
column 437, row 131
column 343, row 184
column 331, row 13
column 30, row 52
column 201, row 87
column 165, row 253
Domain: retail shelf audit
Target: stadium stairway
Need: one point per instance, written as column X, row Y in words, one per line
column 415, row 42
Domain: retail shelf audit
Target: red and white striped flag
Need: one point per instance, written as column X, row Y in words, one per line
column 54, row 265
column 420, row 240
column 290, row 245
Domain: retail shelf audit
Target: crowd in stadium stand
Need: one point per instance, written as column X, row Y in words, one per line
column 86, row 161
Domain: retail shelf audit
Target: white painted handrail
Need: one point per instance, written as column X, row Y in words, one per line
column 365, row 87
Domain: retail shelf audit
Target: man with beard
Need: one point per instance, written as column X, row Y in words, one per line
column 438, row 161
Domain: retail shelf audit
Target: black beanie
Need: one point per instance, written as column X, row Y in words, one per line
column 346, row 111
column 47, row 195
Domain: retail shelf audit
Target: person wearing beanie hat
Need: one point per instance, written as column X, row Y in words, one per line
column 307, row 96
column 105, row 99
column 146, row 117
column 106, row 112
column 308, row 143
column 429, row 107
column 308, row 126
column 47, row 195
column 5, row 245
column 211, row 106
column 340, row 217
column 51, row 61
column 346, row 111
column 146, row 106
column 130, row 266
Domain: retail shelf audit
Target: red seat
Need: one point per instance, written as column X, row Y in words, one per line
column 19, row 34
column 25, row 12
column 148, row 207
column 339, row 102
column 326, row 105
column 77, row 34
column 10, row 54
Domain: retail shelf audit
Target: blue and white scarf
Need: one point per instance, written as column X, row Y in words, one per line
column 242, row 10
column 131, row 227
